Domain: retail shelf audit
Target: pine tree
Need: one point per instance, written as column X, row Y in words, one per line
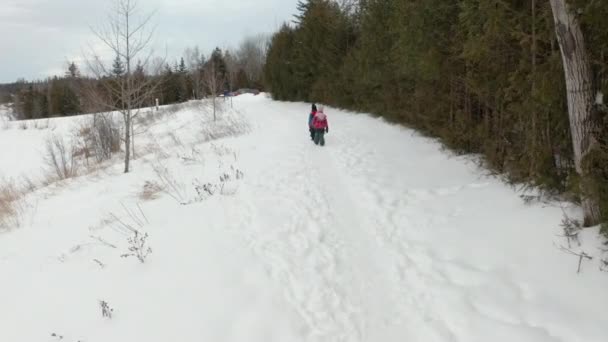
column 182, row 66
column 484, row 76
column 118, row 68
column 73, row 70
column 184, row 81
column 278, row 71
column 170, row 86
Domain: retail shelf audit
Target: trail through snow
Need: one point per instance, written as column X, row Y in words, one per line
column 379, row 236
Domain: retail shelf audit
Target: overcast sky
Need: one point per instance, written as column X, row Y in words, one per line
column 38, row 37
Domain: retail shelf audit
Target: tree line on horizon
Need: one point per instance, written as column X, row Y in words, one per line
column 483, row 76
column 184, row 79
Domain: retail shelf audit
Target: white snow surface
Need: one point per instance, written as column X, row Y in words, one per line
column 379, row 236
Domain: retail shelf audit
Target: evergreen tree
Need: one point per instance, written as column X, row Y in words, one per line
column 182, row 66
column 484, row 76
column 73, row 70
column 184, row 81
column 56, row 98
column 171, row 88
column 279, row 73
column 118, row 68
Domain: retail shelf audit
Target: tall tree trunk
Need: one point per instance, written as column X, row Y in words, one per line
column 129, row 91
column 133, row 156
column 580, row 95
column 534, row 131
column 214, row 118
column 127, row 118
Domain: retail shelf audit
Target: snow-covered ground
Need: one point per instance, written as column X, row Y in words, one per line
column 262, row 236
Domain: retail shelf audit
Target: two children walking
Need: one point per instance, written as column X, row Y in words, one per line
column 317, row 125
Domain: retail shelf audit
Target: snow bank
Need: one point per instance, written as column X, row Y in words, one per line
column 256, row 234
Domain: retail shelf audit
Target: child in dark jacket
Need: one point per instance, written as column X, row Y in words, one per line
column 312, row 114
column 320, row 125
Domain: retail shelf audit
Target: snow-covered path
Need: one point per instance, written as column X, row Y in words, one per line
column 379, row 236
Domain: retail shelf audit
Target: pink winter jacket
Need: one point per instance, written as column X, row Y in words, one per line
column 319, row 121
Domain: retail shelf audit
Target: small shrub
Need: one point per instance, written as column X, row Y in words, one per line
column 150, row 191
column 170, row 184
column 106, row 310
column 98, row 138
column 571, row 228
column 138, row 247
column 133, row 221
column 28, row 184
column 12, row 206
column 228, row 125
column 41, row 124
column 102, row 136
column 229, row 181
column 60, row 157
column 205, row 190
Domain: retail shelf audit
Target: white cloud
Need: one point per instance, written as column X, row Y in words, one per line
column 39, row 37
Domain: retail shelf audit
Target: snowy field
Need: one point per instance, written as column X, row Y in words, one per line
column 257, row 235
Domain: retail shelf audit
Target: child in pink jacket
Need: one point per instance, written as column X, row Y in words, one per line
column 320, row 125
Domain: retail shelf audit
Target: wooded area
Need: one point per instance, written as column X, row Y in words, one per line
column 484, row 76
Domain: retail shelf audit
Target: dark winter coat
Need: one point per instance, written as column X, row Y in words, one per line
column 310, row 117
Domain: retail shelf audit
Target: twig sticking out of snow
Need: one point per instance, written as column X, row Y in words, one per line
column 133, row 221
column 571, row 228
column 102, row 241
column 57, row 337
column 106, row 310
column 138, row 247
column 604, row 260
column 581, row 256
column 101, row 264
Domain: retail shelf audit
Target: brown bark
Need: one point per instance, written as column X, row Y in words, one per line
column 580, row 95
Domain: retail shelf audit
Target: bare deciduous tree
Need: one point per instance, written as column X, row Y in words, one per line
column 252, row 56
column 194, row 62
column 232, row 66
column 127, row 35
column 212, row 80
column 580, row 93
